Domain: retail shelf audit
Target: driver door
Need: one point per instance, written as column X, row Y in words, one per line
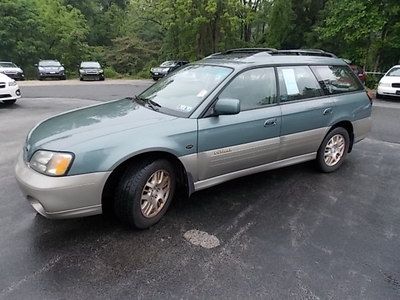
column 230, row 143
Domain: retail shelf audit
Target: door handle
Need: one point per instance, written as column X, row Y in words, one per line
column 270, row 122
column 327, row 111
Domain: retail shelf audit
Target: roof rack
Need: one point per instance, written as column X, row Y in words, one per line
column 273, row 51
column 249, row 50
column 243, row 51
column 306, row 52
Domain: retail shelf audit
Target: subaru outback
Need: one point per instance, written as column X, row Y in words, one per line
column 230, row 115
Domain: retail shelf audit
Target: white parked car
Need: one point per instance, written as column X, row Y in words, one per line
column 11, row 70
column 9, row 90
column 389, row 85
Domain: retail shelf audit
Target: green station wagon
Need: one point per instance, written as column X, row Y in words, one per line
column 230, row 115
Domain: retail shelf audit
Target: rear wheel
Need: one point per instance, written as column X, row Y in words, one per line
column 333, row 150
column 144, row 193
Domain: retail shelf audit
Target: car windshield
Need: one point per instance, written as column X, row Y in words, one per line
column 169, row 63
column 49, row 63
column 7, row 65
column 90, row 64
column 394, row 72
column 181, row 92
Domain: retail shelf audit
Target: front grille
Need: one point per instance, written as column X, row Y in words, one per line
column 396, row 85
column 5, row 96
column 2, row 85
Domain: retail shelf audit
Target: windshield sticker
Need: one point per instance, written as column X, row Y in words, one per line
column 202, row 93
column 184, row 108
column 290, row 82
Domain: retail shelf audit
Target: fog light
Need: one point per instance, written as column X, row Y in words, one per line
column 18, row 92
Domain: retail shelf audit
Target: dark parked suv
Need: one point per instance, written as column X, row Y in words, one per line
column 91, row 70
column 166, row 67
column 50, row 69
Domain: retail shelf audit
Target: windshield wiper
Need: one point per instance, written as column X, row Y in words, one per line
column 150, row 103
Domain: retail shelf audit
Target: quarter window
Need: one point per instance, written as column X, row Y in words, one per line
column 296, row 83
column 254, row 88
column 337, row 79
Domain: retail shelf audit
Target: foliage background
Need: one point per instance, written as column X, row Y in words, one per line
column 130, row 36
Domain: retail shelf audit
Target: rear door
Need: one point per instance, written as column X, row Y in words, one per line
column 306, row 112
column 230, row 143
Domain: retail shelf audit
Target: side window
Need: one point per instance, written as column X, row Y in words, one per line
column 296, row 83
column 337, row 79
column 254, row 88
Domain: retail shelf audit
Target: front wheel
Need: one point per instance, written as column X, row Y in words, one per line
column 333, row 150
column 144, row 193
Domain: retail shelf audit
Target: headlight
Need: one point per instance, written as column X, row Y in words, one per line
column 82, row 71
column 12, row 83
column 51, row 163
column 384, row 84
column 101, row 72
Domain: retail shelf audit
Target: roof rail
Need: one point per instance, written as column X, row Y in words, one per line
column 249, row 50
column 307, row 52
column 243, row 51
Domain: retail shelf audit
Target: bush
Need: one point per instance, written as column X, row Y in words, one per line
column 109, row 72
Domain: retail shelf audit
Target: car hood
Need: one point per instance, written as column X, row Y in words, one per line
column 82, row 125
column 50, row 68
column 161, row 69
column 390, row 79
column 91, row 69
column 5, row 78
column 10, row 70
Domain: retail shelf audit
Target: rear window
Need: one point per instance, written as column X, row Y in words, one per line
column 296, row 83
column 337, row 79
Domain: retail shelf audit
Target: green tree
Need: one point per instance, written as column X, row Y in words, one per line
column 280, row 23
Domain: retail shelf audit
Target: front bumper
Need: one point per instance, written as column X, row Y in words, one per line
column 61, row 197
column 389, row 91
column 10, row 93
column 92, row 76
column 16, row 76
column 50, row 74
column 158, row 75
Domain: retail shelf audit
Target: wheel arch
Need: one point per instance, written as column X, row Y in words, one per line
column 184, row 179
column 346, row 124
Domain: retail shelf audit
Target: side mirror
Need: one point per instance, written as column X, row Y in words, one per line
column 227, row 106
column 36, row 65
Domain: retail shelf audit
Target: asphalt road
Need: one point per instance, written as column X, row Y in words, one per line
column 91, row 90
column 286, row 233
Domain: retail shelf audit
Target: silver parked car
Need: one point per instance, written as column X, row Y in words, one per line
column 227, row 116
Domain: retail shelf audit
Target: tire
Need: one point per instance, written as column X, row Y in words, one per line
column 378, row 96
column 328, row 165
column 80, row 78
column 133, row 184
column 63, row 77
column 155, row 78
column 41, row 78
column 9, row 102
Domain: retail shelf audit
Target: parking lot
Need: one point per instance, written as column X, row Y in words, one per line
column 292, row 232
